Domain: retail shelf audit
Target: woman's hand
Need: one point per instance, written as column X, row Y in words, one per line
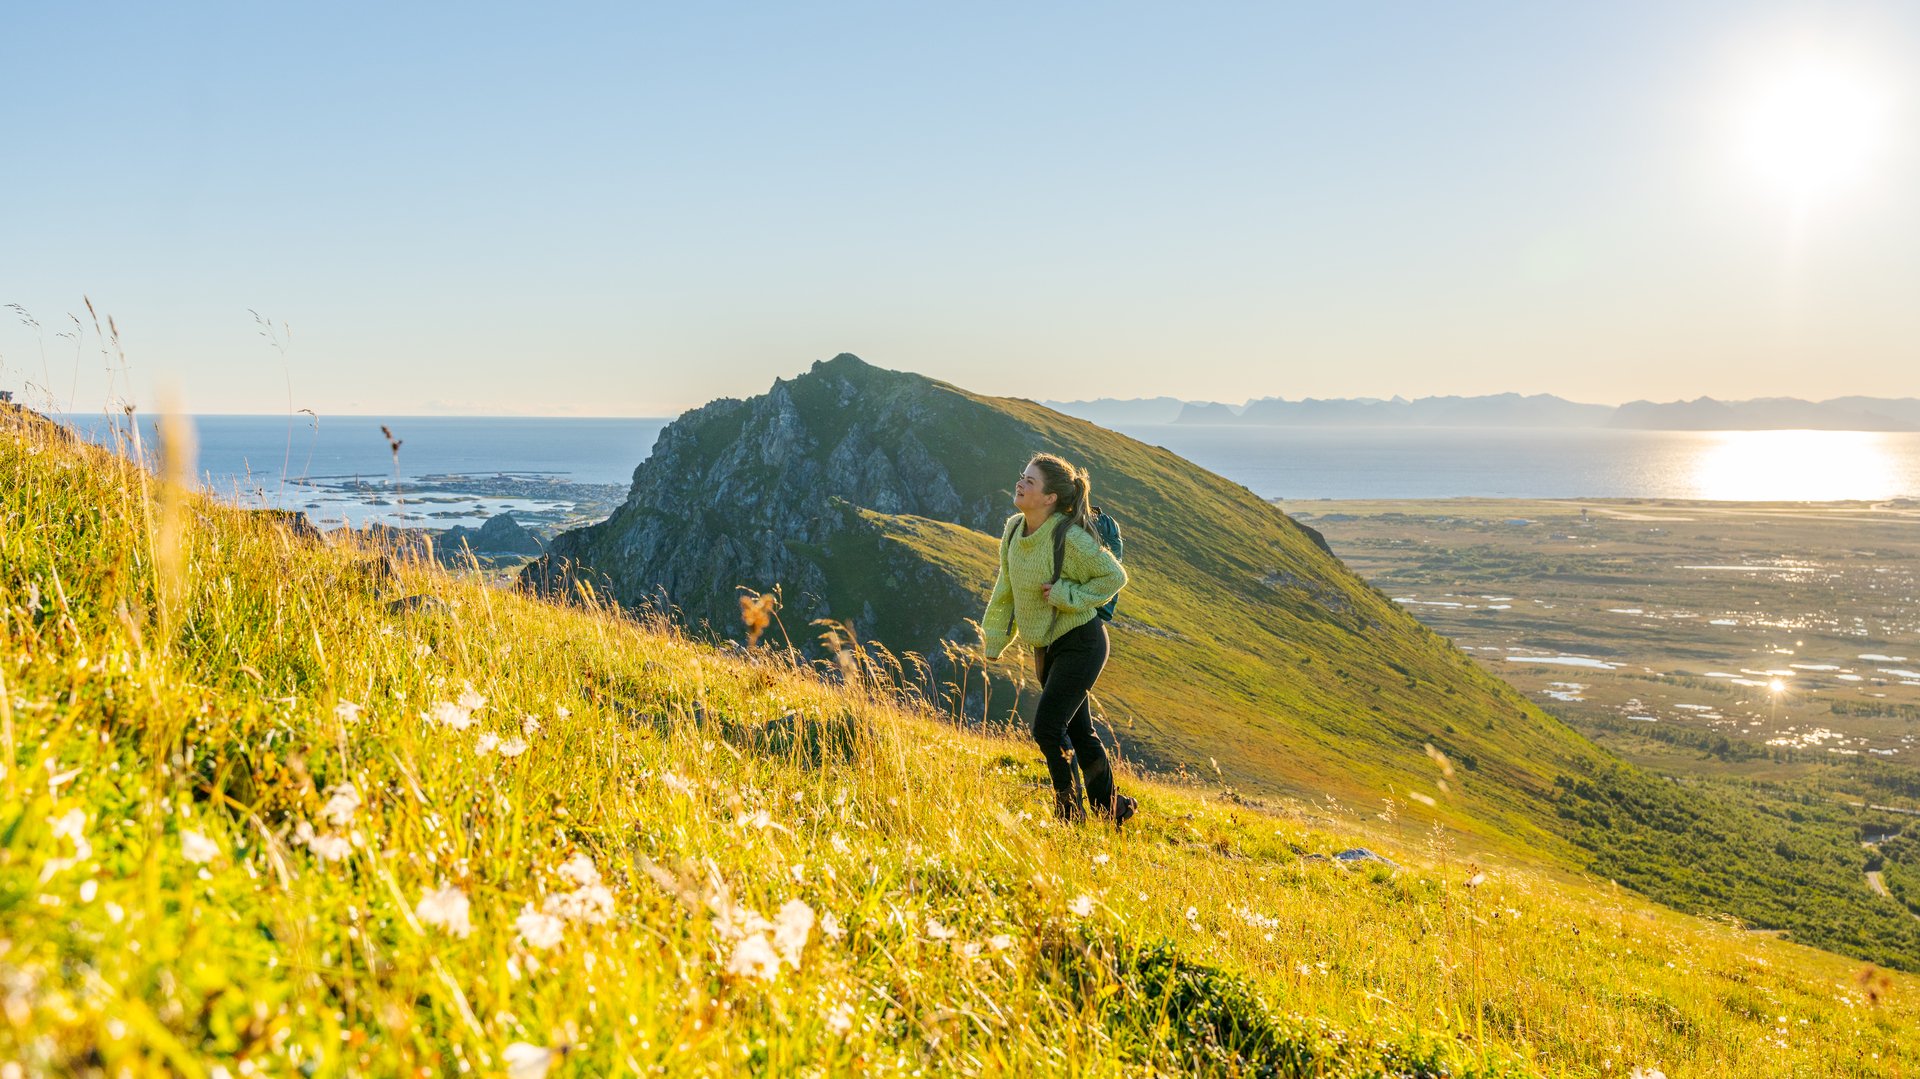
column 1046, row 592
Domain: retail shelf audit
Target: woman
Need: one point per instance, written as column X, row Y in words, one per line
column 1053, row 574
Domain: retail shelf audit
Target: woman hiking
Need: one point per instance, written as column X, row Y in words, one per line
column 1054, row 572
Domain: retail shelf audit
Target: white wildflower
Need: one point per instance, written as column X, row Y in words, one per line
column 579, row 870
column 675, row 784
column 1646, row 1073
column 1255, row 918
column 451, row 716
column 328, row 847
column 486, row 743
column 538, row 929
column 830, row 925
column 1476, row 880
column 72, row 826
column 529, row 726
column 526, row 1061
column 471, row 701
column 343, row 801
column 731, row 920
column 799, row 871
column 447, row 909
column 936, row 931
column 1081, row 907
column 512, row 747
column 562, row 711
column 971, row 949
column 1101, row 859
column 999, row 942
column 791, row 927
column 89, row 889
column 754, row 957
column 759, row 818
column 840, row 844
column 198, row 848
column 347, row 712
column 840, row 1018
column 590, row 903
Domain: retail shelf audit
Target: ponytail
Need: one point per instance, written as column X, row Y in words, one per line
column 1071, row 487
column 1082, row 512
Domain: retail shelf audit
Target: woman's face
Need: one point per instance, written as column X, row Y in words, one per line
column 1028, row 493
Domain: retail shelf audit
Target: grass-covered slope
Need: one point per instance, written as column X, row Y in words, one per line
column 1244, row 646
column 261, row 818
column 1245, row 652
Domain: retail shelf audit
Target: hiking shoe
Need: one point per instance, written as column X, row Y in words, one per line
column 1123, row 809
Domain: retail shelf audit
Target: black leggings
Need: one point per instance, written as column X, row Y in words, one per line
column 1068, row 668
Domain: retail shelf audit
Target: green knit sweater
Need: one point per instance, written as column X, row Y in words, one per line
column 1089, row 576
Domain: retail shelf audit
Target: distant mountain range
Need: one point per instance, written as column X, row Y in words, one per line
column 1512, row 410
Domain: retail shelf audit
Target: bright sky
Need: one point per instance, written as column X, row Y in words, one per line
column 628, row 209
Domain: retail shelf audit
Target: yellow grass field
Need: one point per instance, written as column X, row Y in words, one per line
column 277, row 805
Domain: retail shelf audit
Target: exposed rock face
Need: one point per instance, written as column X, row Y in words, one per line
column 761, row 492
column 499, row 534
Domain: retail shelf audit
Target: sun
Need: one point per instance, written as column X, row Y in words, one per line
column 1812, row 130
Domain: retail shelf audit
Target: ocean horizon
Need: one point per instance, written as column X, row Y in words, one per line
column 260, row 460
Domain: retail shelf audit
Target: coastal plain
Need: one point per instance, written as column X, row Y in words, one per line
column 1766, row 651
column 1761, row 624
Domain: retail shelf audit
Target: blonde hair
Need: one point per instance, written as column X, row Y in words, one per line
column 1071, row 486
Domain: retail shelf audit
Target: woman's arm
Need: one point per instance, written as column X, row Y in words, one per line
column 996, row 626
column 1089, row 574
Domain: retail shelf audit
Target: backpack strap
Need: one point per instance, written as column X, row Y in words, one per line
column 1006, row 545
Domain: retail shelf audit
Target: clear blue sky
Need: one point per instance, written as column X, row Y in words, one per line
column 633, row 208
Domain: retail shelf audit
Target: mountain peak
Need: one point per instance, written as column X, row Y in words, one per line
column 875, row 499
column 846, row 363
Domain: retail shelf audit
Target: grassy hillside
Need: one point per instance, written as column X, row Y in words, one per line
column 1244, row 653
column 275, row 806
column 1244, row 647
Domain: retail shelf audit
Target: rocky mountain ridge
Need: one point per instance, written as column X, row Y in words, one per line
column 764, row 492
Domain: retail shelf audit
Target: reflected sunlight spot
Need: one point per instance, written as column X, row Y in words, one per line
column 1794, row 466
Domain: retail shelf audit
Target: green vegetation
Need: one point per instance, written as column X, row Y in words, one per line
column 261, row 816
column 1782, row 866
column 1244, row 649
column 1697, row 608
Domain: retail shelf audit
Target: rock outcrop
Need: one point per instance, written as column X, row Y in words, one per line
column 497, row 535
column 769, row 492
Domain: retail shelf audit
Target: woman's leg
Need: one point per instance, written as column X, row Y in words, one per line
column 1088, row 752
column 1091, row 756
column 1072, row 664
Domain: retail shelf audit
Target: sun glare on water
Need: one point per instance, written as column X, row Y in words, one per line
column 1795, row 466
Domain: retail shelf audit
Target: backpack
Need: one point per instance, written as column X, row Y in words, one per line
column 1108, row 530
column 1105, row 527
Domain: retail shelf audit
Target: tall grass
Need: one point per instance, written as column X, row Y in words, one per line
column 278, row 806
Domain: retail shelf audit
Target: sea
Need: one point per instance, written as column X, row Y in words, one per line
column 445, row 470
column 342, row 468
